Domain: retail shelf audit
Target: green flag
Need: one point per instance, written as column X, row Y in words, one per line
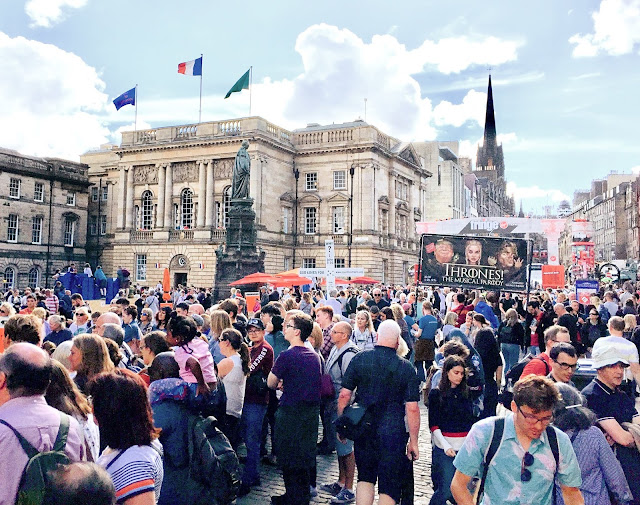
column 243, row 83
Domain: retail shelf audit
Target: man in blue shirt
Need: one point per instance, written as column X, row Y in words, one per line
column 425, row 345
column 523, row 469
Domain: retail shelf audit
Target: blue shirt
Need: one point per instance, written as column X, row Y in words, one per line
column 429, row 325
column 131, row 331
column 503, row 485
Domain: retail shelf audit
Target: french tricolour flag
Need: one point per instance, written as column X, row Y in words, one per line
column 193, row 67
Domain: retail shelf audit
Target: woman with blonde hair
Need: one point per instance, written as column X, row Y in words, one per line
column 511, row 338
column 41, row 314
column 449, row 323
column 89, row 357
column 363, row 334
column 290, row 304
column 306, row 304
column 220, row 321
column 630, row 324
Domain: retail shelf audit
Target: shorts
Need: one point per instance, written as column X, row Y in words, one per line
column 381, row 458
column 341, row 449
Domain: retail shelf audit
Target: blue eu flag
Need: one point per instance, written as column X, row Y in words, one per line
column 127, row 98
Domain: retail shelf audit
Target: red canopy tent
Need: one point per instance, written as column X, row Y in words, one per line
column 257, row 278
column 290, row 281
column 364, row 280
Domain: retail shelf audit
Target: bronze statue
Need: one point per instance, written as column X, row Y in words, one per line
column 241, row 173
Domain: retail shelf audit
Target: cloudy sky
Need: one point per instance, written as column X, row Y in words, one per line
column 566, row 75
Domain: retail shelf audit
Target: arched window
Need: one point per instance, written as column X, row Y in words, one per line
column 226, row 204
column 147, row 211
column 9, row 278
column 186, row 208
column 34, row 277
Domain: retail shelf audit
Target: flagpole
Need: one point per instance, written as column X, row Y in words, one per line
column 200, row 111
column 135, row 123
column 250, row 82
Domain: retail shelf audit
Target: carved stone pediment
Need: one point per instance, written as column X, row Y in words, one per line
column 223, row 169
column 145, row 174
column 185, row 171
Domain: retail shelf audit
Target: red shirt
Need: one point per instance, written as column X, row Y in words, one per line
column 536, row 366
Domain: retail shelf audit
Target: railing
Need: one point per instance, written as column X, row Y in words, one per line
column 278, row 133
column 308, row 239
column 384, row 241
column 383, row 140
column 228, row 127
column 219, row 234
column 177, row 235
column 186, row 132
column 146, row 136
column 340, row 135
column 140, row 235
column 338, row 239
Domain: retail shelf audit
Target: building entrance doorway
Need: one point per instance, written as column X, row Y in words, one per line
column 179, row 278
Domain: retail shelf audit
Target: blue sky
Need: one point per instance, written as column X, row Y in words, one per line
column 566, row 75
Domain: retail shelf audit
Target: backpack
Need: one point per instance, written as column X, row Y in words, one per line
column 35, row 476
column 496, row 440
column 212, row 462
column 513, row 376
column 603, row 312
column 505, row 334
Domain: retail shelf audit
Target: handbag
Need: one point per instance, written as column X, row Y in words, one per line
column 355, row 422
column 257, row 383
column 327, row 391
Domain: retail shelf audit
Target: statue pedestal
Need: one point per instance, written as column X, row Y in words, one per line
column 239, row 256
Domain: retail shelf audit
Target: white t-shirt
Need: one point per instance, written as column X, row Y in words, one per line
column 234, row 385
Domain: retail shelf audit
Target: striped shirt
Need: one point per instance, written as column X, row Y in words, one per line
column 135, row 470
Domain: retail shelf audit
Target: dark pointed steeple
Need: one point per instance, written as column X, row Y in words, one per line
column 490, row 120
column 521, row 213
column 490, row 158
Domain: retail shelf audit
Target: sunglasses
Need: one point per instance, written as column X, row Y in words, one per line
column 525, row 473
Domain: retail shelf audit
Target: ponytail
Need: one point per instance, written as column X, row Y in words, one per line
column 244, row 356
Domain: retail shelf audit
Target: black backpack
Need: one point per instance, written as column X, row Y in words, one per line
column 213, row 463
column 35, row 476
column 513, row 376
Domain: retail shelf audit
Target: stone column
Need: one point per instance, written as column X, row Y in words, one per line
column 168, row 197
column 201, row 195
column 160, row 209
column 129, row 206
column 122, row 192
column 211, row 208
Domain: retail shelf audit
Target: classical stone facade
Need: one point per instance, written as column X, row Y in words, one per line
column 44, row 217
column 171, row 190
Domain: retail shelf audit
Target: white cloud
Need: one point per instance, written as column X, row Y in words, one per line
column 473, row 107
column 616, row 28
column 534, row 194
column 53, row 107
column 46, row 13
column 636, row 169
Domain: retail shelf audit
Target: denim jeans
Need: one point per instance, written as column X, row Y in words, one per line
column 534, row 350
column 442, row 471
column 252, row 417
column 511, row 354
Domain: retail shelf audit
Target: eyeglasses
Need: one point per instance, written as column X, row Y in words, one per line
column 376, row 295
column 527, row 460
column 291, row 326
column 593, row 313
column 339, row 332
column 531, row 419
column 253, row 331
column 566, row 366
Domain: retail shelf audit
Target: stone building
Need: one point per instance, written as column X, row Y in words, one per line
column 160, row 199
column 44, row 216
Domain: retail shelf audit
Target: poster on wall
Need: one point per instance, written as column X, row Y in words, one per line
column 474, row 262
column 585, row 288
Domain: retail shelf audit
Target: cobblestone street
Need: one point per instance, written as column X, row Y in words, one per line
column 272, row 483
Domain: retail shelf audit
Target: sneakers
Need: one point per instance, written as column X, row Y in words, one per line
column 332, row 489
column 344, row 496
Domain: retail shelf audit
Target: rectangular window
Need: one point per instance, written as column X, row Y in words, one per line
column 338, row 219
column 339, row 263
column 14, row 188
column 36, row 230
column 38, row 192
column 94, row 194
column 308, row 262
column 103, row 225
column 311, row 181
column 105, row 193
column 12, row 228
column 310, row 224
column 286, row 219
column 141, row 267
column 71, row 199
column 287, row 263
column 93, row 225
column 340, row 179
column 69, row 232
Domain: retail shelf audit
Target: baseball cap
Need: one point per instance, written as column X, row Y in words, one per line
column 198, row 319
column 607, row 354
column 257, row 323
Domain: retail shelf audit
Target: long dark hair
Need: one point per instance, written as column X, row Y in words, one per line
column 121, row 406
column 445, row 385
column 64, row 395
column 234, row 337
column 165, row 321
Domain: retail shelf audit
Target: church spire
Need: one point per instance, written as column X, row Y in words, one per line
column 490, row 120
column 521, row 213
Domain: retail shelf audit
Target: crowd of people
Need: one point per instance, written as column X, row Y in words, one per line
column 496, row 371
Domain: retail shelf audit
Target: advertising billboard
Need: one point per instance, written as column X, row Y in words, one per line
column 474, row 262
